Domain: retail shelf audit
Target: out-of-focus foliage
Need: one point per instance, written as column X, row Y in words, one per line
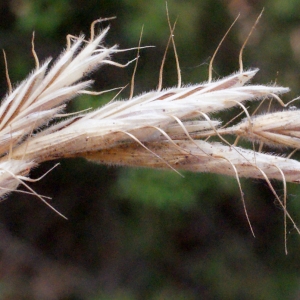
column 32, row 14
column 167, row 189
column 150, row 234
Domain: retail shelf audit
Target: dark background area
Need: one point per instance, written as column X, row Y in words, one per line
column 150, row 234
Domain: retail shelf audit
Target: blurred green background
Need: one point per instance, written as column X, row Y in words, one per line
column 147, row 234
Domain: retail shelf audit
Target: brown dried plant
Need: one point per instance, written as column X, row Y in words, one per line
column 163, row 129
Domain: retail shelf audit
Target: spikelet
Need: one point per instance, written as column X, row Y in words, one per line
column 144, row 117
column 39, row 98
column 276, row 128
column 12, row 173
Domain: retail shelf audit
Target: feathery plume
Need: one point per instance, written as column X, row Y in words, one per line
column 159, row 129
